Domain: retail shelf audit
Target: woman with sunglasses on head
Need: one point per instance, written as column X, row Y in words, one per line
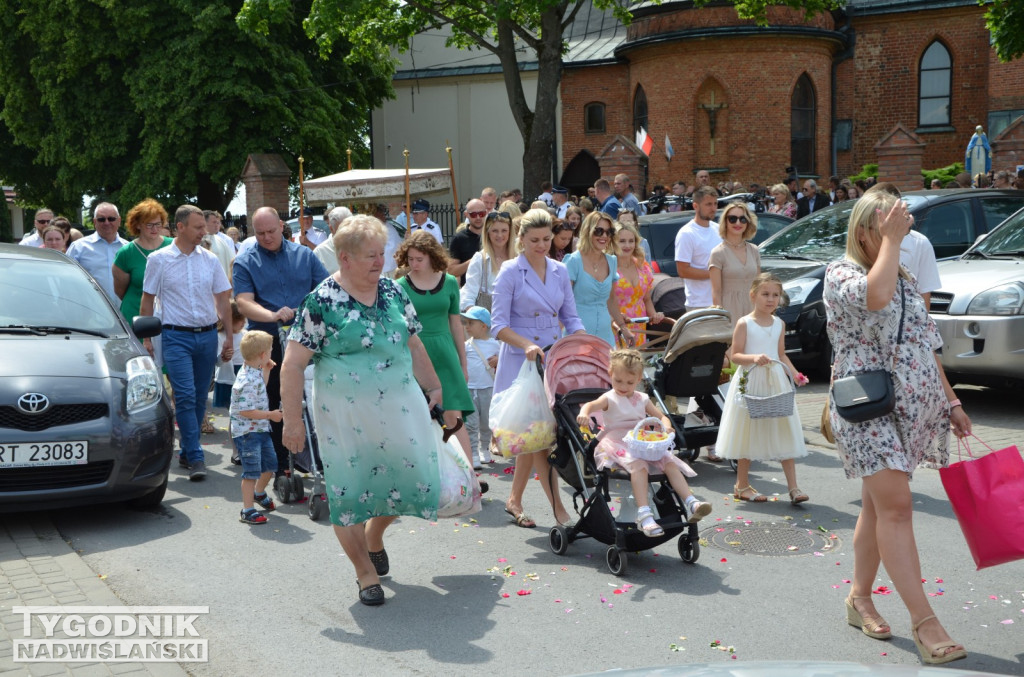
column 486, row 264
column 145, row 222
column 562, row 242
column 635, row 283
column 735, row 262
column 593, row 271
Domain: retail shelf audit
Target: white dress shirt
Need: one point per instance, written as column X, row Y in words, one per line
column 185, row 285
column 96, row 255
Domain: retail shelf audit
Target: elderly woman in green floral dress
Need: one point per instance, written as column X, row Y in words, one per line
column 373, row 424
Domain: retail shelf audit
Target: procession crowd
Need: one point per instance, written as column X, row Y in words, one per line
column 395, row 322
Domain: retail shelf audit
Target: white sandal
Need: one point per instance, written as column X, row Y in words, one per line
column 645, row 522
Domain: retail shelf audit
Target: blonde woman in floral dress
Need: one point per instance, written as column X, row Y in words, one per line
column 635, row 283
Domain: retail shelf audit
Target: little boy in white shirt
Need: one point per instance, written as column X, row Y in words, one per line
column 481, row 361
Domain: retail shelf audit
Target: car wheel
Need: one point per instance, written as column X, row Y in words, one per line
column 151, row 500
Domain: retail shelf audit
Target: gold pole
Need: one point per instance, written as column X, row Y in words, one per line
column 348, row 152
column 451, row 174
column 302, row 192
column 408, row 200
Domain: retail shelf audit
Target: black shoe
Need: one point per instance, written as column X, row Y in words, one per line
column 197, row 471
column 235, row 460
column 380, row 561
column 183, row 460
column 372, row 595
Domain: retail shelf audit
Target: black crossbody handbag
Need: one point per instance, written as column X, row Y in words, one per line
column 869, row 394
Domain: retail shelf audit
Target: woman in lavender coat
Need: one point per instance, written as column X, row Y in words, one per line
column 532, row 301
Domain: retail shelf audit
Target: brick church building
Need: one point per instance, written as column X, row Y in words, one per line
column 745, row 101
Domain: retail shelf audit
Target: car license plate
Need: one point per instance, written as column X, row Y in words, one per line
column 33, row 454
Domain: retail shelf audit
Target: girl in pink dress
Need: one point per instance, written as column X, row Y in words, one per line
column 623, row 408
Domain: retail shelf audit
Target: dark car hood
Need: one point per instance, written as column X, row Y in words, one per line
column 788, row 269
column 72, row 356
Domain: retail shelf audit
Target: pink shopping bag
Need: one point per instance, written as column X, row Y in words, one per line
column 987, row 495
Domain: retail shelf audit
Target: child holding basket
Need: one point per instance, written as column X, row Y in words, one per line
column 757, row 346
column 623, row 409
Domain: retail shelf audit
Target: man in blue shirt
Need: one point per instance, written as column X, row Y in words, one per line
column 271, row 279
column 609, row 204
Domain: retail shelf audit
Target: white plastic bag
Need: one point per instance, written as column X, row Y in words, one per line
column 460, row 488
column 520, row 420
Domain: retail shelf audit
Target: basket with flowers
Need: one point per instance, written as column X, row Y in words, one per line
column 649, row 445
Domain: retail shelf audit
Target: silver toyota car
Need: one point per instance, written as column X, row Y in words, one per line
column 83, row 413
column 980, row 309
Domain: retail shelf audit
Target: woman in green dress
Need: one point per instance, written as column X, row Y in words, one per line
column 435, row 295
column 377, row 442
column 144, row 223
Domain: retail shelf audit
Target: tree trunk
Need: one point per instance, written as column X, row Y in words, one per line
column 210, row 195
column 537, row 127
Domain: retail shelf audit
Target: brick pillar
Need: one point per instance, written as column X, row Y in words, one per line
column 266, row 178
column 622, row 156
column 1008, row 147
column 899, row 158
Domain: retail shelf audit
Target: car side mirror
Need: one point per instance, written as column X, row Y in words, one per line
column 146, row 326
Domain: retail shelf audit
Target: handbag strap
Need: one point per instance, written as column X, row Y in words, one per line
column 899, row 331
column 483, row 359
column 486, row 264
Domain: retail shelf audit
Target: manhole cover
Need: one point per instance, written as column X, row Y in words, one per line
column 770, row 539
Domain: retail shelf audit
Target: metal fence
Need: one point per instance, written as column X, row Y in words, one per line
column 444, row 216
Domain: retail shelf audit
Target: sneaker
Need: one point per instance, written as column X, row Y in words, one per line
column 197, row 471
column 252, row 516
column 183, row 460
column 698, row 510
column 266, row 502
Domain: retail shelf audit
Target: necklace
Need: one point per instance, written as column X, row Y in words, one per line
column 596, row 265
column 741, row 245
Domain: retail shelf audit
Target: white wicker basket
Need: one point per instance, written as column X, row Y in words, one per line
column 779, row 405
column 649, row 450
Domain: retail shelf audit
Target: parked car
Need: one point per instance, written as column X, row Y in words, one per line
column 660, row 231
column 83, row 413
column 980, row 309
column 799, row 254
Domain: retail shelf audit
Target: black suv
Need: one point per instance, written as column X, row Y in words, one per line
column 951, row 219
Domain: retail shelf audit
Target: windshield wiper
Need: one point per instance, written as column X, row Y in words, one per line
column 40, row 330
column 980, row 254
column 788, row 257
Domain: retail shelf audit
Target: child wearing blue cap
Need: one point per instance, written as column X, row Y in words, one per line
column 481, row 361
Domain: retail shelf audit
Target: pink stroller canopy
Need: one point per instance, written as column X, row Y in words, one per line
column 576, row 361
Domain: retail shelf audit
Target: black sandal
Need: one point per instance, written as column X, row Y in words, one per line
column 372, row 595
column 380, row 561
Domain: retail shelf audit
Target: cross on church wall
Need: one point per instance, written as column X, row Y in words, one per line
column 712, row 110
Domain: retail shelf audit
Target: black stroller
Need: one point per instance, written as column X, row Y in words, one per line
column 691, row 367
column 577, row 372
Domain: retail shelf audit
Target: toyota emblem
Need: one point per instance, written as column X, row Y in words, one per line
column 33, row 403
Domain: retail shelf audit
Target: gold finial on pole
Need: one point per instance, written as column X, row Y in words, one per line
column 348, row 152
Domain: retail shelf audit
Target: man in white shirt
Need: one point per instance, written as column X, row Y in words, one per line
column 35, row 237
column 194, row 293
column 694, row 243
column 325, row 251
column 560, row 201
column 96, row 252
column 309, row 235
column 421, row 221
column 917, row 254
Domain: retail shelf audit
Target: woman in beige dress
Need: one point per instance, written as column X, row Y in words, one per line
column 735, row 262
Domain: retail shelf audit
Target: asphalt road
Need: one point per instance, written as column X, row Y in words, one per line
column 482, row 595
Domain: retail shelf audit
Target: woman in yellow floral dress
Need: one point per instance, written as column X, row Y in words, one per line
column 635, row 283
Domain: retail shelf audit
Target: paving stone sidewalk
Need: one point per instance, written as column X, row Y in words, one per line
column 37, row 568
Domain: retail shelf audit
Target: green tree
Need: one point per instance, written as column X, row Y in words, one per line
column 166, row 98
column 1005, row 21
column 502, row 27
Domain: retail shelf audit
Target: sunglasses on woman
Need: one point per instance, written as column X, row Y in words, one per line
column 737, row 219
column 499, row 215
column 601, row 232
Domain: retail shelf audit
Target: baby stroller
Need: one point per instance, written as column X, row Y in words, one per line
column 289, row 487
column 577, row 372
column 691, row 367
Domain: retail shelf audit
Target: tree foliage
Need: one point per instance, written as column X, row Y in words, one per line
column 167, row 98
column 1005, row 21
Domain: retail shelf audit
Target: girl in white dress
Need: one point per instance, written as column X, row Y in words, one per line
column 758, row 347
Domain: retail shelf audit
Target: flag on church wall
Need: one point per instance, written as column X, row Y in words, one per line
column 644, row 142
column 669, row 152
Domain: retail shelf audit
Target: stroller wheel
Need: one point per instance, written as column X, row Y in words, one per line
column 733, row 464
column 298, row 491
column 316, row 507
column 616, row 560
column 283, row 488
column 689, row 550
column 694, row 453
column 558, row 539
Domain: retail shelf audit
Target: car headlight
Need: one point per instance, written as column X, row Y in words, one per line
column 799, row 289
column 145, row 385
column 1006, row 299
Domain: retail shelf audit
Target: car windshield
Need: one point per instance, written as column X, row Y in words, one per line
column 820, row 236
column 1007, row 239
column 53, row 294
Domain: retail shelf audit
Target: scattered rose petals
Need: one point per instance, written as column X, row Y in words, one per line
column 558, row 601
column 502, row 559
column 653, row 571
column 846, row 580
column 523, row 593
column 1008, row 621
column 882, row 590
column 938, row 580
column 505, row 594
column 617, row 591
column 723, row 560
